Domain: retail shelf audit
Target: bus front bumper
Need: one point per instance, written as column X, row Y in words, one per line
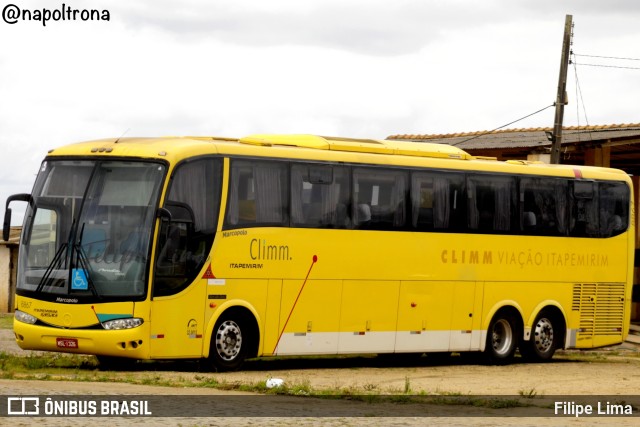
column 129, row 343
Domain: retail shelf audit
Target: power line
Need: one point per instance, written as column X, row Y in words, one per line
column 619, row 58
column 607, row 66
column 504, row 126
column 607, row 57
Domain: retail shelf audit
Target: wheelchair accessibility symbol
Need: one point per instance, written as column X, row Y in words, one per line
column 79, row 279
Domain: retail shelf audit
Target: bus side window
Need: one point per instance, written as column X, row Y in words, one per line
column 543, row 206
column 614, row 208
column 436, row 201
column 385, row 192
column 319, row 194
column 584, row 209
column 258, row 194
column 491, row 203
column 422, row 195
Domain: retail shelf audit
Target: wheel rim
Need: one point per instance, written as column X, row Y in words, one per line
column 228, row 340
column 502, row 337
column 543, row 335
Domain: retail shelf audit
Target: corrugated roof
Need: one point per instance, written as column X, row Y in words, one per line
column 527, row 137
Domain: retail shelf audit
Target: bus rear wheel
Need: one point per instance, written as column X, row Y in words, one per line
column 229, row 343
column 544, row 340
column 501, row 339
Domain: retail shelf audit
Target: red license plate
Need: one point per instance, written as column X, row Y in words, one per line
column 67, row 342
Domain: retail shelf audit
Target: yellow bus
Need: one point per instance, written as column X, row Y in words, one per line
column 226, row 249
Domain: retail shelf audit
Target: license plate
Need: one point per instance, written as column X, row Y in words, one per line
column 67, row 342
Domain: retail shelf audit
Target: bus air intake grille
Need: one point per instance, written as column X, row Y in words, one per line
column 601, row 308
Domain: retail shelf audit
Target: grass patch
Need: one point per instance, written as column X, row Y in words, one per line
column 612, row 355
column 10, row 363
column 6, row 321
column 529, row 394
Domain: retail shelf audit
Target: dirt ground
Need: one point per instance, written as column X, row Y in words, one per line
column 611, row 372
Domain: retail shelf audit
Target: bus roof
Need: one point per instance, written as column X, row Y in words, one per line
column 312, row 147
column 359, row 145
column 145, row 146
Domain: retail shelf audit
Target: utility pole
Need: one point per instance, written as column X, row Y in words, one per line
column 561, row 98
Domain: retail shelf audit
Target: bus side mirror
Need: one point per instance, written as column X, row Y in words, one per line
column 6, row 226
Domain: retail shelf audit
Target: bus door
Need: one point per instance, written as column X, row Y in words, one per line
column 188, row 222
column 177, row 309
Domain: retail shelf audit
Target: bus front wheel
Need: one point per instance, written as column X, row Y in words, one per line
column 501, row 339
column 545, row 337
column 229, row 343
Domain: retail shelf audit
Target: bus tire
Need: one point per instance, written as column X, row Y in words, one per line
column 229, row 343
column 545, row 338
column 501, row 338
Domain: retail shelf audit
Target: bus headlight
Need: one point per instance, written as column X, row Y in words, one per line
column 132, row 322
column 23, row 317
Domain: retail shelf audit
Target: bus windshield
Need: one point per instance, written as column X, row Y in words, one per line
column 87, row 232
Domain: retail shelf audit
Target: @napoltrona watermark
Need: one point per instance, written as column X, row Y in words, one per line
column 14, row 14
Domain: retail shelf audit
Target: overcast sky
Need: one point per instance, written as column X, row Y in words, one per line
column 353, row 68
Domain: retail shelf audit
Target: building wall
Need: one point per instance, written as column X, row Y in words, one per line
column 8, row 265
column 5, row 279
